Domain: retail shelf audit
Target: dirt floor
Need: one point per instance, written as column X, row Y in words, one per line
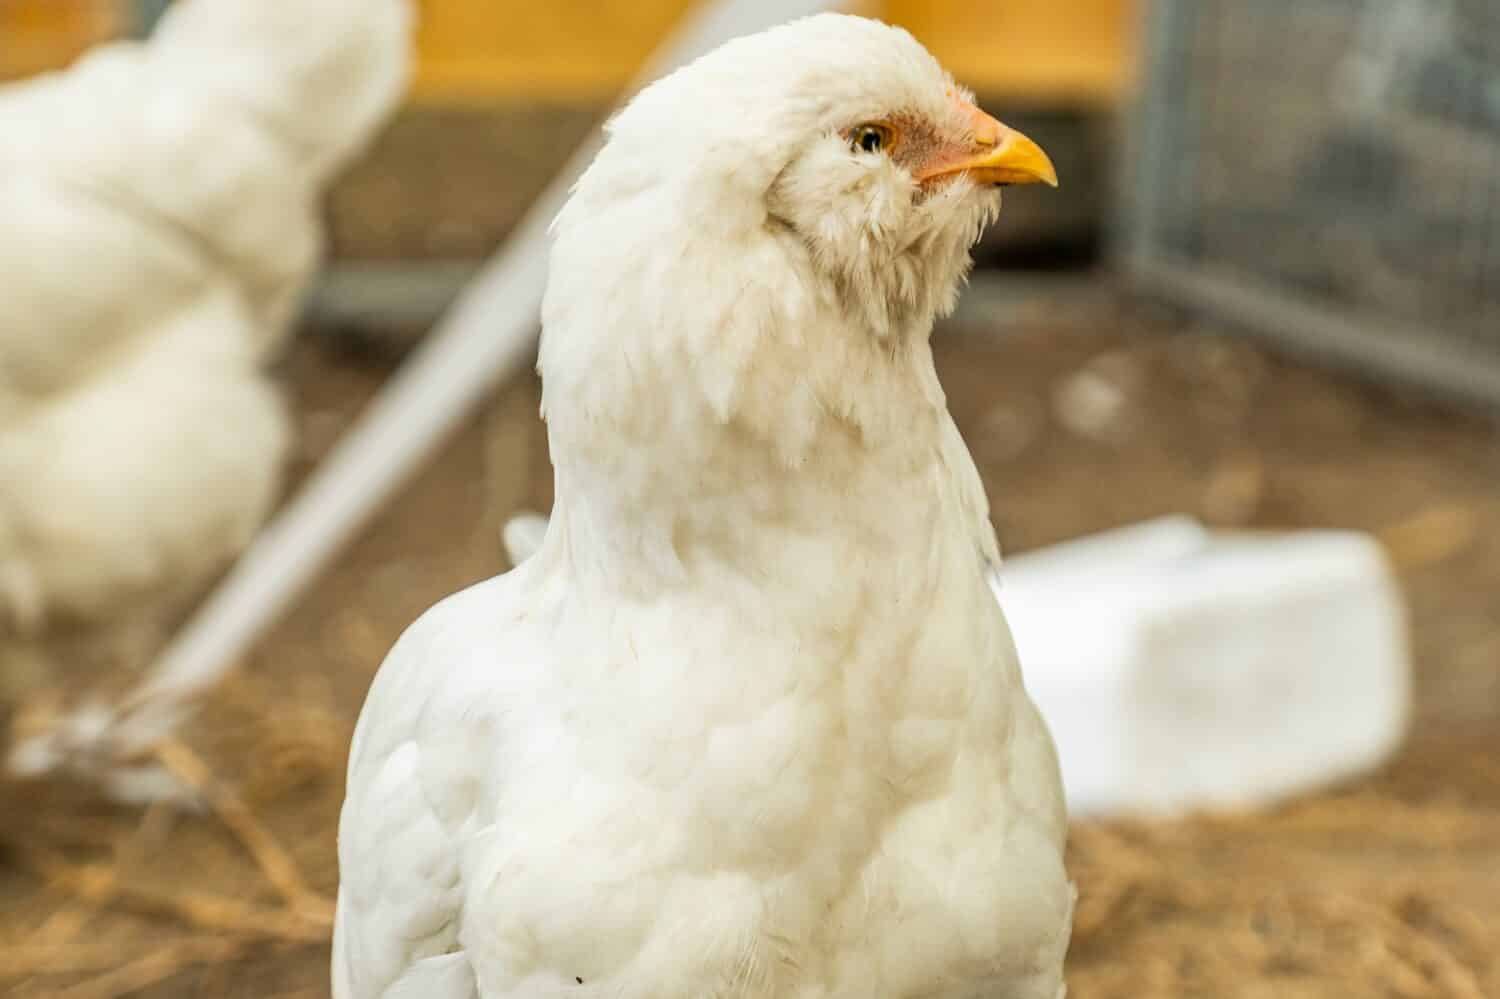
column 1083, row 413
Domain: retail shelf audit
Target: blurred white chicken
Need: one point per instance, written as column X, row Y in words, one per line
column 749, row 723
column 160, row 206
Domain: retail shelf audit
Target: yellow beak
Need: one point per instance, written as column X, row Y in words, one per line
column 999, row 155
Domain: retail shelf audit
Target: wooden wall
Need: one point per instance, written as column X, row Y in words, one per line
column 1072, row 51
column 37, row 35
column 1063, row 51
column 583, row 51
column 565, row 50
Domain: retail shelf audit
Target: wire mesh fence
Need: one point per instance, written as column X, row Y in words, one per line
column 1328, row 172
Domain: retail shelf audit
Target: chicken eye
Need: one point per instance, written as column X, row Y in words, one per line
column 871, row 138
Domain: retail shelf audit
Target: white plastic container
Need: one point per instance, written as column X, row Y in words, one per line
column 1182, row 669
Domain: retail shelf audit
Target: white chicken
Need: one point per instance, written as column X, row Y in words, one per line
column 161, row 222
column 749, row 723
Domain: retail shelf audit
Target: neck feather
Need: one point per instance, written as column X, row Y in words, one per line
column 713, row 402
column 780, row 482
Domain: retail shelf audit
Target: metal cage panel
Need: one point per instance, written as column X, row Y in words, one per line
column 1327, row 172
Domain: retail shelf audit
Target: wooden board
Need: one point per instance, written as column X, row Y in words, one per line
column 564, row 51
column 582, row 52
column 1072, row 52
column 571, row 51
column 38, row 35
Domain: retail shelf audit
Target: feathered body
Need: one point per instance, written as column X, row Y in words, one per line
column 749, row 723
column 161, row 222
